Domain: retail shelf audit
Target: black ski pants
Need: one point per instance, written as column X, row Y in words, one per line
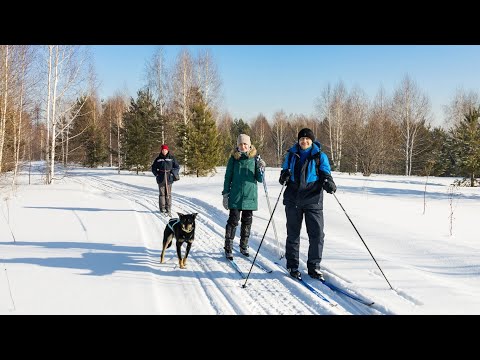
column 314, row 224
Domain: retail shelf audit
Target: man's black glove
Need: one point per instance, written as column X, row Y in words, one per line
column 328, row 184
column 284, row 175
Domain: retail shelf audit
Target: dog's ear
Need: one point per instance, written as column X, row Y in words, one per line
column 195, row 215
column 180, row 214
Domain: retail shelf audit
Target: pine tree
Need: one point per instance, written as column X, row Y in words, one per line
column 87, row 143
column 440, row 153
column 203, row 144
column 467, row 145
column 138, row 142
column 239, row 127
column 95, row 147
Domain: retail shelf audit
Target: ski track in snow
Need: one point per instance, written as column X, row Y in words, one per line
column 208, row 273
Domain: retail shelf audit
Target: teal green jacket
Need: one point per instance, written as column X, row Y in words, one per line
column 241, row 179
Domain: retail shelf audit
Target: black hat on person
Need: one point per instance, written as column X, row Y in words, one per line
column 306, row 132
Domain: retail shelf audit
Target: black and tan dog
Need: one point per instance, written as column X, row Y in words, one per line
column 183, row 229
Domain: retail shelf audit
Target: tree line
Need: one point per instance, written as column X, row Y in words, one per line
column 50, row 110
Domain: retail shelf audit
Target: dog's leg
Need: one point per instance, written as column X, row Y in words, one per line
column 179, row 255
column 189, row 245
column 166, row 244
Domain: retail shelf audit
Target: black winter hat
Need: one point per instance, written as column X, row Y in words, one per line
column 306, row 133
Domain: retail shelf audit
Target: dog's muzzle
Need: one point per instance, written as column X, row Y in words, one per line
column 188, row 229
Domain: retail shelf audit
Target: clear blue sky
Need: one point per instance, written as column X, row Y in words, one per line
column 268, row 78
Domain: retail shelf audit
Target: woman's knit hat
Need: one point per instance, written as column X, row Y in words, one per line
column 243, row 139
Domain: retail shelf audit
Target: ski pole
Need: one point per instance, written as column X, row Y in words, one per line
column 270, row 210
column 259, row 246
column 348, row 217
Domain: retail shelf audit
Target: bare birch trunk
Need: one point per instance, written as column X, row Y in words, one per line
column 110, row 136
column 410, row 112
column 119, row 157
column 18, row 133
column 49, row 100
column 3, row 115
column 54, row 122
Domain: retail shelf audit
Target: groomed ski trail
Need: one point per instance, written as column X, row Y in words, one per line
column 208, row 273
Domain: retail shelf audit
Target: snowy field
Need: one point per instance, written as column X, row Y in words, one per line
column 90, row 244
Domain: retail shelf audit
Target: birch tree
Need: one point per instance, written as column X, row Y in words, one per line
column 331, row 107
column 183, row 82
column 261, row 135
column 410, row 110
column 208, row 79
column 297, row 122
column 5, row 54
column 460, row 105
column 66, row 75
column 280, row 130
column 356, row 142
column 120, row 106
column 337, row 124
column 90, row 131
column 24, row 59
column 157, row 79
column 114, row 109
column 382, row 151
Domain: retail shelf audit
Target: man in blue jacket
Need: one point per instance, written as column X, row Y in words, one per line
column 306, row 172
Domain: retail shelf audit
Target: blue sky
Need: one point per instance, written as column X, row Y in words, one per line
column 268, row 78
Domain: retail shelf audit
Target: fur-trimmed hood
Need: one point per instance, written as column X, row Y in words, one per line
column 251, row 153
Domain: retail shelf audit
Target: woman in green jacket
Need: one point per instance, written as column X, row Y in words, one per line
column 243, row 171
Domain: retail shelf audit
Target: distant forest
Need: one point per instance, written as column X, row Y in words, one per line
column 50, row 110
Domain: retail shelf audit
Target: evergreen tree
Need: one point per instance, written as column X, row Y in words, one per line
column 203, row 145
column 77, row 130
column 95, row 147
column 440, row 153
column 138, row 142
column 225, row 138
column 87, row 143
column 422, row 157
column 239, row 127
column 467, row 145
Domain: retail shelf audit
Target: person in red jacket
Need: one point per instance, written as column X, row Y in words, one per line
column 166, row 170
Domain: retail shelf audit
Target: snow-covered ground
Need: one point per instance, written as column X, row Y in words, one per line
column 90, row 244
